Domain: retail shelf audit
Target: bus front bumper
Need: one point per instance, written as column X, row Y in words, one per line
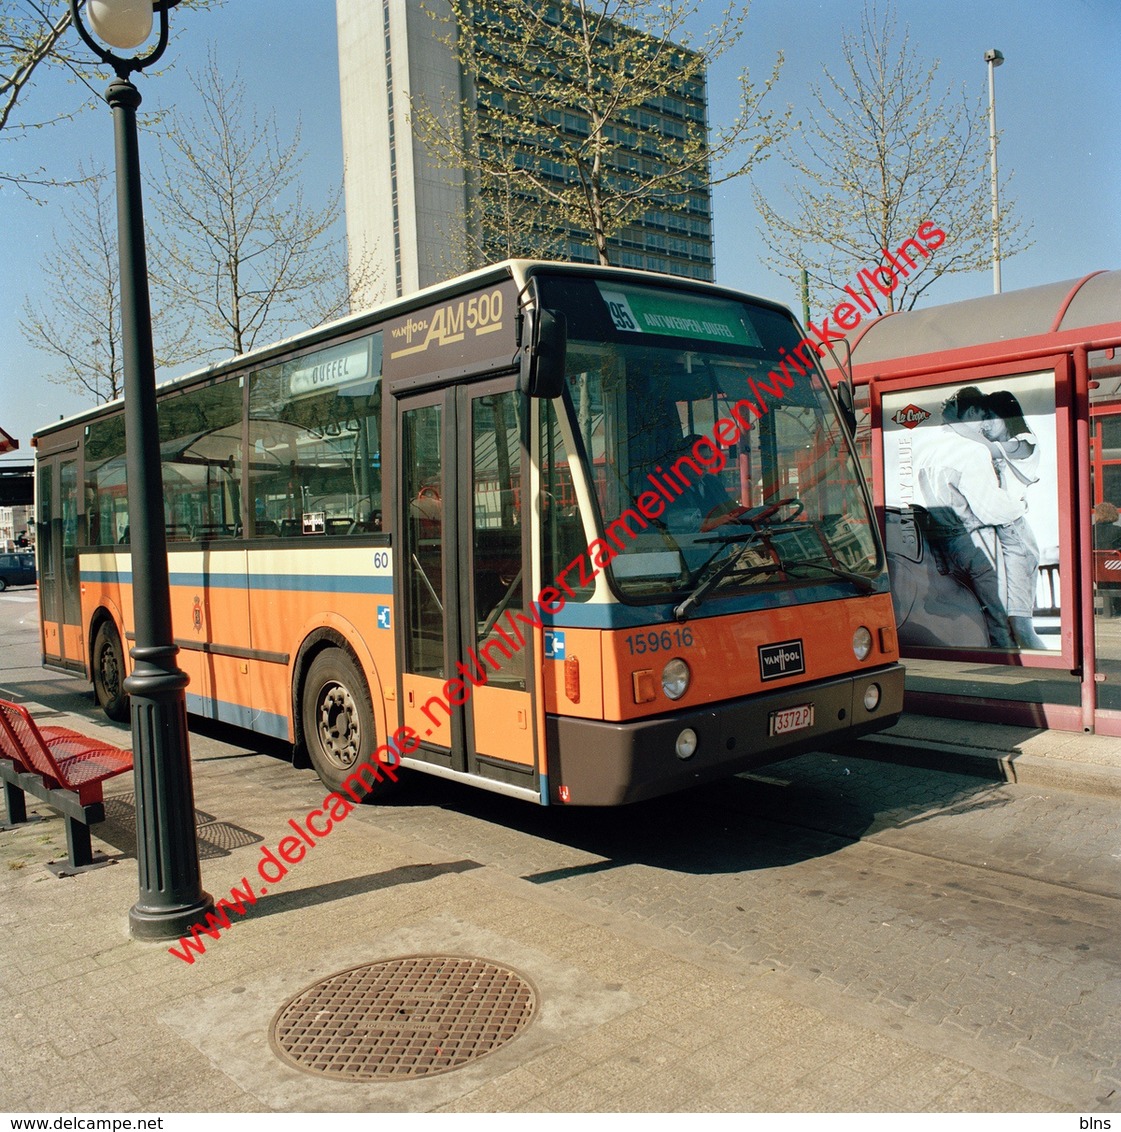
column 595, row 763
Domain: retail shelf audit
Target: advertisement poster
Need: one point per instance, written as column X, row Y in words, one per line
column 972, row 510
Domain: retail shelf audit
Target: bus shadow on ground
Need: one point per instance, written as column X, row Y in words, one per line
column 59, row 693
column 800, row 809
column 70, row 695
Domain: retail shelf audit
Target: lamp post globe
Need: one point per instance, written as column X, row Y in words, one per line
column 171, row 897
column 124, row 24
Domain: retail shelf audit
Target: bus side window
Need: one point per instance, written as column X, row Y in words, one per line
column 106, row 482
column 315, row 443
column 200, row 438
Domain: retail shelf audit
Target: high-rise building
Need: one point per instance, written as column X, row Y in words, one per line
column 411, row 217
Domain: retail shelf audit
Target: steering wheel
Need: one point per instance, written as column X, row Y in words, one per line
column 752, row 516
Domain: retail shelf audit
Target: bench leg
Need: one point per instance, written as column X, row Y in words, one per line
column 78, row 843
column 16, row 803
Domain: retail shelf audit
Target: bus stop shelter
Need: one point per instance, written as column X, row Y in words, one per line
column 1040, row 369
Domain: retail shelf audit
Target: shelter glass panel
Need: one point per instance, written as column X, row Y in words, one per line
column 1105, row 473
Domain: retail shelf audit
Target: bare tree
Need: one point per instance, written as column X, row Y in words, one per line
column 236, row 254
column 79, row 321
column 33, row 42
column 556, row 135
column 881, row 155
column 237, row 247
column 35, row 45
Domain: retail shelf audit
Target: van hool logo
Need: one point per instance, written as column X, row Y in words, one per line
column 911, row 416
column 786, row 659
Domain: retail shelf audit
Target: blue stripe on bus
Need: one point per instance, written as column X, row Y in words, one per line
column 305, row 583
column 574, row 615
column 263, row 722
column 107, row 577
column 588, row 615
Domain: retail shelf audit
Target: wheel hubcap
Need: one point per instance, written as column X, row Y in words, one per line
column 339, row 733
column 110, row 675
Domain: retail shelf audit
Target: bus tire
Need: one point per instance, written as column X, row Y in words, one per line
column 337, row 718
column 109, row 673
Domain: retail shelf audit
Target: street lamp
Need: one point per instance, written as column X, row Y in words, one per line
column 171, row 897
column 994, row 59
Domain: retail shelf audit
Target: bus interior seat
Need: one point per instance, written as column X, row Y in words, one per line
column 207, row 531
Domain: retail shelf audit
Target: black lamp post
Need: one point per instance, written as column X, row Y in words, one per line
column 171, row 896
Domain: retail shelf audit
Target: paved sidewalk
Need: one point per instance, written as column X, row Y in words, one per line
column 1062, row 759
column 628, row 1018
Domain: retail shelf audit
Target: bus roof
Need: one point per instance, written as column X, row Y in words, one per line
column 519, row 270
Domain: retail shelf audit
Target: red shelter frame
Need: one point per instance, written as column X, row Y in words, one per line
column 1073, row 330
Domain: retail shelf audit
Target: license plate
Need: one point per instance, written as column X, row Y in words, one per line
column 792, row 719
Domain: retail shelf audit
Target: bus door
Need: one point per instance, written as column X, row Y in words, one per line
column 467, row 658
column 57, row 537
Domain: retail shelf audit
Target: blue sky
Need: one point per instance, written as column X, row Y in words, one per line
column 1058, row 102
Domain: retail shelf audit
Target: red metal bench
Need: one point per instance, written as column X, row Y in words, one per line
column 63, row 768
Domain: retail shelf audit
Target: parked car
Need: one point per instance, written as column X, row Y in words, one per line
column 17, row 570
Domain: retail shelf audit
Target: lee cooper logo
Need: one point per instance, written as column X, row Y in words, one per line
column 786, row 659
column 911, row 417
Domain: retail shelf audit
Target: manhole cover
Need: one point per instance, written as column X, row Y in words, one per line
column 407, row 1017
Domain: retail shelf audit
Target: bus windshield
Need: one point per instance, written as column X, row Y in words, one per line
column 715, row 456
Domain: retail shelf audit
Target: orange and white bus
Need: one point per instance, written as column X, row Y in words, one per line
column 574, row 534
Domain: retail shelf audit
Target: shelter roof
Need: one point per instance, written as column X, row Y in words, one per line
column 1032, row 313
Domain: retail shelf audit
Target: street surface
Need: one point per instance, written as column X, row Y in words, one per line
column 970, row 917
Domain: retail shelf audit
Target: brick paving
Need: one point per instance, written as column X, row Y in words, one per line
column 834, row 934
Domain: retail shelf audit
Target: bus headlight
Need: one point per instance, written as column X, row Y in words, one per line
column 675, row 678
column 872, row 697
column 686, row 744
column 861, row 643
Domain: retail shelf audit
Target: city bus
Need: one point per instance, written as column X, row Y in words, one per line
column 575, row 534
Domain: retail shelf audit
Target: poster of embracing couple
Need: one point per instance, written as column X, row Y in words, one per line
column 972, row 508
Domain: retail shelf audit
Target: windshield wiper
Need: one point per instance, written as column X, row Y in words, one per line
column 681, row 611
column 858, row 580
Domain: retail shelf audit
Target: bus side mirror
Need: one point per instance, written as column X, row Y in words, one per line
column 545, row 343
column 848, row 409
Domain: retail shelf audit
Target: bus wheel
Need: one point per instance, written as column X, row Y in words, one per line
column 109, row 673
column 338, row 723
